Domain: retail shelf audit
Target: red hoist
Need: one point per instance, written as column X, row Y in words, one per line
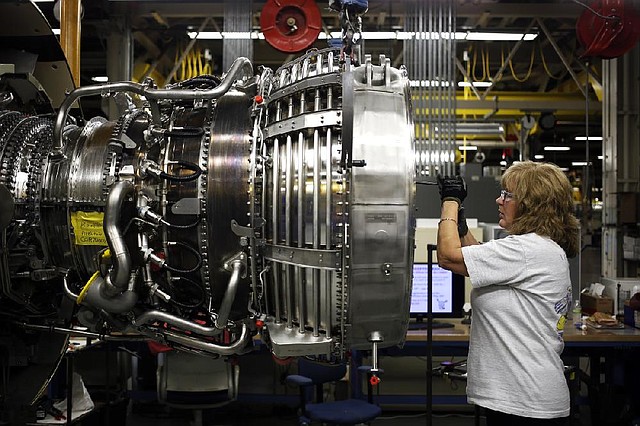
column 290, row 25
column 608, row 28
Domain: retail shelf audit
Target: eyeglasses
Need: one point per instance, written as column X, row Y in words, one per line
column 506, row 195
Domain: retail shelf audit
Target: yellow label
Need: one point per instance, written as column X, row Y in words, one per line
column 87, row 227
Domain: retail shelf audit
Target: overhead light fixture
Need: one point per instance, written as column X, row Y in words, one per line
column 486, row 36
column 229, row 35
column 429, row 83
column 495, row 129
column 467, row 147
column 538, row 157
column 100, row 79
column 580, row 163
column 600, row 157
column 591, row 138
column 557, row 148
column 56, row 31
column 474, row 84
column 375, row 35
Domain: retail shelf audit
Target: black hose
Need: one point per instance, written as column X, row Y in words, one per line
column 186, row 132
column 192, row 283
column 175, row 226
column 185, row 271
column 180, row 178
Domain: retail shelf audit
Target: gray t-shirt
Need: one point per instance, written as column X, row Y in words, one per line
column 520, row 297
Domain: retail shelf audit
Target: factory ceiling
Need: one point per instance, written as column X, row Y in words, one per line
column 544, row 77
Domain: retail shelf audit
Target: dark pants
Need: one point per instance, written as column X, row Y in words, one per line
column 496, row 418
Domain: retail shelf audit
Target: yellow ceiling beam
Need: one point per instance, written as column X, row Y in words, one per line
column 516, row 104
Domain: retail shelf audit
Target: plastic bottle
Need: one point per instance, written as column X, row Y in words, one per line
column 576, row 314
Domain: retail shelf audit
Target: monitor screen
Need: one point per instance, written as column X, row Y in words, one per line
column 447, row 292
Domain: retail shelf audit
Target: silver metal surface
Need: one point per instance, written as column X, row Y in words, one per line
column 214, row 210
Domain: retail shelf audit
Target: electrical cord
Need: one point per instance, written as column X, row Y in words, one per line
column 586, row 6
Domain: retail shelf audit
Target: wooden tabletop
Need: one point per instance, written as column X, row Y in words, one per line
column 460, row 333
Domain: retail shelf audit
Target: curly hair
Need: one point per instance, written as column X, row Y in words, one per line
column 545, row 203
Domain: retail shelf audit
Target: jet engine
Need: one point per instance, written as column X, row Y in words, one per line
column 271, row 203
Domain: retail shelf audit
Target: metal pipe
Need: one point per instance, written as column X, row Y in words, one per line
column 302, row 294
column 240, row 66
column 274, row 220
column 190, row 342
column 288, row 201
column 238, row 266
column 118, row 275
column 100, row 295
column 185, row 325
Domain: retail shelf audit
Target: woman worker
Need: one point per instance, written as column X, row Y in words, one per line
column 520, row 296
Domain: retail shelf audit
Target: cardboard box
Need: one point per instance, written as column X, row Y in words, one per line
column 631, row 316
column 591, row 304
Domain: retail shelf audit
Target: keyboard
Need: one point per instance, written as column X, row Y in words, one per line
column 434, row 325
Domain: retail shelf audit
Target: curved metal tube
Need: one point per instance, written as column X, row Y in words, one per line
column 240, row 65
column 236, row 348
column 151, row 316
column 119, row 303
column 67, row 291
column 118, row 276
column 230, row 294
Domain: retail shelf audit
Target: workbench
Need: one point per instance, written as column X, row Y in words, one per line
column 607, row 350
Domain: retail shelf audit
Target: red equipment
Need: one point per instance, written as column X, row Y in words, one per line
column 613, row 33
column 290, row 25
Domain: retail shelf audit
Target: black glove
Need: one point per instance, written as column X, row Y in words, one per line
column 462, row 223
column 452, row 188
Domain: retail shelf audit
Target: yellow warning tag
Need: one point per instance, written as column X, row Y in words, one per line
column 87, row 227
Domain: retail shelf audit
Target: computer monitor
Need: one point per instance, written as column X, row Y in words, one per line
column 447, row 293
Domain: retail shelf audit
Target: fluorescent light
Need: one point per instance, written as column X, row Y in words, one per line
column 375, row 35
column 503, row 163
column 56, row 31
column 564, row 169
column 579, row 163
column 100, row 79
column 478, row 129
column 600, row 157
column 482, row 36
column 467, row 147
column 217, row 35
column 538, row 156
column 591, row 138
column 474, row 84
column 556, row 148
column 426, row 83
